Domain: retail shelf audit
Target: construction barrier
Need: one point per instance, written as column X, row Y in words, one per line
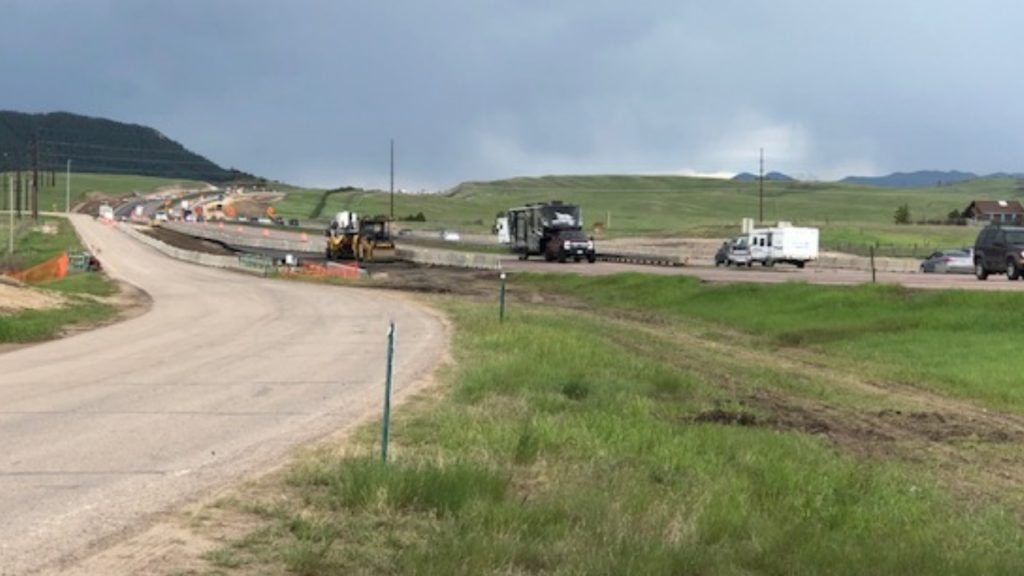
column 52, row 269
column 351, row 272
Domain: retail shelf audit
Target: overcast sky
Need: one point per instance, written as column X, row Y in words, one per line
column 311, row 91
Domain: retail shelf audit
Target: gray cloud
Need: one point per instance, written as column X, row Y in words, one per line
column 310, row 91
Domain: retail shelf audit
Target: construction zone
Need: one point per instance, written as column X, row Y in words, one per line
column 362, row 240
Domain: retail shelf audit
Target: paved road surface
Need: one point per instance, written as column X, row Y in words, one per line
column 221, row 377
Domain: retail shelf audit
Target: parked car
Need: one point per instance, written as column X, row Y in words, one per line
column 293, row 222
column 450, row 236
column 999, row 249
column 949, row 262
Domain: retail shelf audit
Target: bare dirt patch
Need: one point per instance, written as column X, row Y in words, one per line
column 15, row 297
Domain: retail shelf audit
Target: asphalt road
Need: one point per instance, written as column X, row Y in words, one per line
column 225, row 374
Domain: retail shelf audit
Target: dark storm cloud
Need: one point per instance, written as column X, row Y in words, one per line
column 311, row 91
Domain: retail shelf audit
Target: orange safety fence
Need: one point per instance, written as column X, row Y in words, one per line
column 52, row 269
column 342, row 271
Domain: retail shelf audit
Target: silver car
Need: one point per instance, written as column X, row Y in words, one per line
column 950, row 262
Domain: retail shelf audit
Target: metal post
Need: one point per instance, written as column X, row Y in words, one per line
column 67, row 190
column 501, row 312
column 872, row 249
column 386, row 433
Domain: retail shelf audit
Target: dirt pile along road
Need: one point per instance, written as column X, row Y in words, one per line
column 223, row 376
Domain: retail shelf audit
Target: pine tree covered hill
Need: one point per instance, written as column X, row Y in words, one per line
column 101, row 146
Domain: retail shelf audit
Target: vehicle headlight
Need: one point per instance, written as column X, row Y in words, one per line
column 590, row 244
column 567, row 245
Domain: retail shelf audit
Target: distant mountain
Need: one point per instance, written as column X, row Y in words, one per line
column 771, row 176
column 917, row 179
column 100, row 145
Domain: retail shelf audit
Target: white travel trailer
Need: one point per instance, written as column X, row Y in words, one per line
column 783, row 243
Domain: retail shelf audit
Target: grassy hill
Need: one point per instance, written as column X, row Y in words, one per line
column 97, row 145
column 851, row 216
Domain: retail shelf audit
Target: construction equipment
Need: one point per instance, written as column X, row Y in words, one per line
column 363, row 240
column 553, row 230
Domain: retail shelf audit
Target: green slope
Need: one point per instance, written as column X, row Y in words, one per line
column 850, row 216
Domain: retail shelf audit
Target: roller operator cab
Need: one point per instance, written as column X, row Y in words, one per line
column 553, row 230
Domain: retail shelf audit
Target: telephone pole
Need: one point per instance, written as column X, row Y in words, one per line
column 10, row 245
column 17, row 194
column 392, row 179
column 35, row 176
column 760, row 213
column 67, row 190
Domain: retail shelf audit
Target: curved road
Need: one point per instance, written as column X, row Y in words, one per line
column 222, row 376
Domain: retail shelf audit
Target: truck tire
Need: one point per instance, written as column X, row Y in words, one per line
column 1012, row 271
column 979, row 269
column 801, row 264
column 591, row 258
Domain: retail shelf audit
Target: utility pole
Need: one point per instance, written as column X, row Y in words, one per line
column 67, row 190
column 10, row 245
column 35, row 176
column 760, row 217
column 17, row 205
column 392, row 179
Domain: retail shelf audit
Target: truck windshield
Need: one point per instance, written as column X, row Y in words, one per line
column 1015, row 236
column 561, row 216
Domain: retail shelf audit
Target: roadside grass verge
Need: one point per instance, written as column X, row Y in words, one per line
column 558, row 450
column 954, row 342
column 33, row 247
column 82, row 292
column 37, row 325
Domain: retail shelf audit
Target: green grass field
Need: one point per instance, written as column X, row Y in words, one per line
column 53, row 198
column 850, row 216
column 650, row 430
